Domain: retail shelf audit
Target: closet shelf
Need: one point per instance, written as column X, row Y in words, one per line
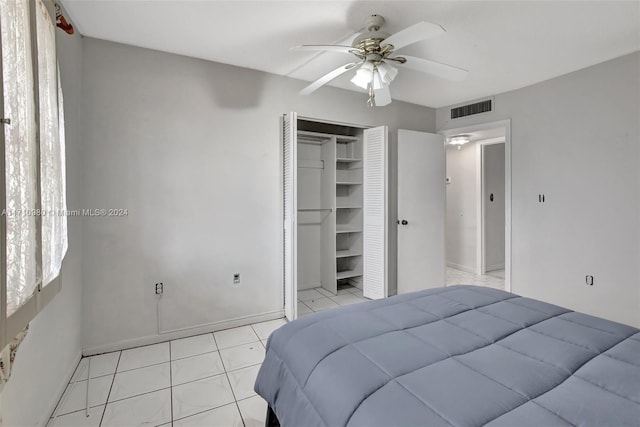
column 316, row 210
column 348, row 253
column 347, row 183
column 347, row 274
column 347, row 160
column 345, row 138
column 306, row 137
column 343, row 229
column 348, row 207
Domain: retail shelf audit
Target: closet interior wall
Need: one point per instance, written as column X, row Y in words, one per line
column 329, row 193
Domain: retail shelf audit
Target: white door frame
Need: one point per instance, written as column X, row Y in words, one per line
column 481, row 267
column 293, row 289
column 506, row 124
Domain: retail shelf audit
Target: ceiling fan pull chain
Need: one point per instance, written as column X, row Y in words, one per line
column 372, row 97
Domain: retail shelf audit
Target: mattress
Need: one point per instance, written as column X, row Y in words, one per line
column 455, row 356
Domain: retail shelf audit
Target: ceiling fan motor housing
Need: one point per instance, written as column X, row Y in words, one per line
column 369, row 41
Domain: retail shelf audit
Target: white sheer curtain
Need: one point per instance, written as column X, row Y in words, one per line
column 20, row 152
column 52, row 171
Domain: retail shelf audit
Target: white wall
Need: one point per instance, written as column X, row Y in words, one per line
column 50, row 352
column 192, row 149
column 576, row 139
column 461, row 218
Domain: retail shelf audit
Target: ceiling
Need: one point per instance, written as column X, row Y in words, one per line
column 505, row 45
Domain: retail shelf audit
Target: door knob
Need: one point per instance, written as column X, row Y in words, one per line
column 491, row 197
column 404, row 222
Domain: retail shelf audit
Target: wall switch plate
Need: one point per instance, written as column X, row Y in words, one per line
column 589, row 280
column 236, row 278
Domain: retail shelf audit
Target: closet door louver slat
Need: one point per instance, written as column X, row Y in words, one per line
column 290, row 156
column 375, row 150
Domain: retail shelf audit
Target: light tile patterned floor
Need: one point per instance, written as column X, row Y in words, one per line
column 206, row 380
column 459, row 277
column 319, row 299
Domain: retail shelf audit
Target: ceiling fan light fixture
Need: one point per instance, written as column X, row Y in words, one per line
column 377, row 82
column 387, row 72
column 364, row 75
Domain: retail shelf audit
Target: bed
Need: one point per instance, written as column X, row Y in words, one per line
column 460, row 355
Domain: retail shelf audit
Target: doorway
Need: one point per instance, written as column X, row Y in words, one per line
column 478, row 205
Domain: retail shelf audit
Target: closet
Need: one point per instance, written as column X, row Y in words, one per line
column 334, row 192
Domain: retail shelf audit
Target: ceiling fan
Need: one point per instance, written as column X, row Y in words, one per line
column 375, row 49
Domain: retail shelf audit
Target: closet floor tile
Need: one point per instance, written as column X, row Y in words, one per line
column 264, row 329
column 357, row 292
column 148, row 409
column 254, row 411
column 325, row 292
column 347, row 299
column 321, row 304
column 196, row 367
column 236, row 336
column 144, row 356
column 309, row 294
column 192, row 346
column 303, row 309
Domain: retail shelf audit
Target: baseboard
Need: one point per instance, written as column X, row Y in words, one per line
column 494, row 267
column 61, row 388
column 306, row 286
column 461, row 267
column 183, row 333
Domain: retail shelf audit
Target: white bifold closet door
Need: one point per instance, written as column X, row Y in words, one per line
column 290, row 205
column 375, row 212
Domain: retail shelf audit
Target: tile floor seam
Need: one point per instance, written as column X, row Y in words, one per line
column 197, row 379
column 202, row 412
column 110, row 388
column 193, row 355
column 240, row 345
column 232, row 392
column 170, row 384
column 140, row 394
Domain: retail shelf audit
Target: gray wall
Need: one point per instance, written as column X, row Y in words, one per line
column 461, row 218
column 49, row 354
column 192, row 150
column 576, row 139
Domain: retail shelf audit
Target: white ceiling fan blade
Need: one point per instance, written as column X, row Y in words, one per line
column 415, row 33
column 383, row 96
column 327, row 78
column 324, row 48
column 444, row 71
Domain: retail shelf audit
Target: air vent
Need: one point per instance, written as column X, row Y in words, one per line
column 471, row 109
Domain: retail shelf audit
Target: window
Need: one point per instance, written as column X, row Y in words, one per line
column 33, row 227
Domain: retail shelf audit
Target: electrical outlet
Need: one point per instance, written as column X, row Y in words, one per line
column 159, row 288
column 236, row 278
column 589, row 280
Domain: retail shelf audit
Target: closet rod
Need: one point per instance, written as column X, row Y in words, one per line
column 315, row 210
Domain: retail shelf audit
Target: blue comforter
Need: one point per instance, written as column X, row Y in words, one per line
column 454, row 356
